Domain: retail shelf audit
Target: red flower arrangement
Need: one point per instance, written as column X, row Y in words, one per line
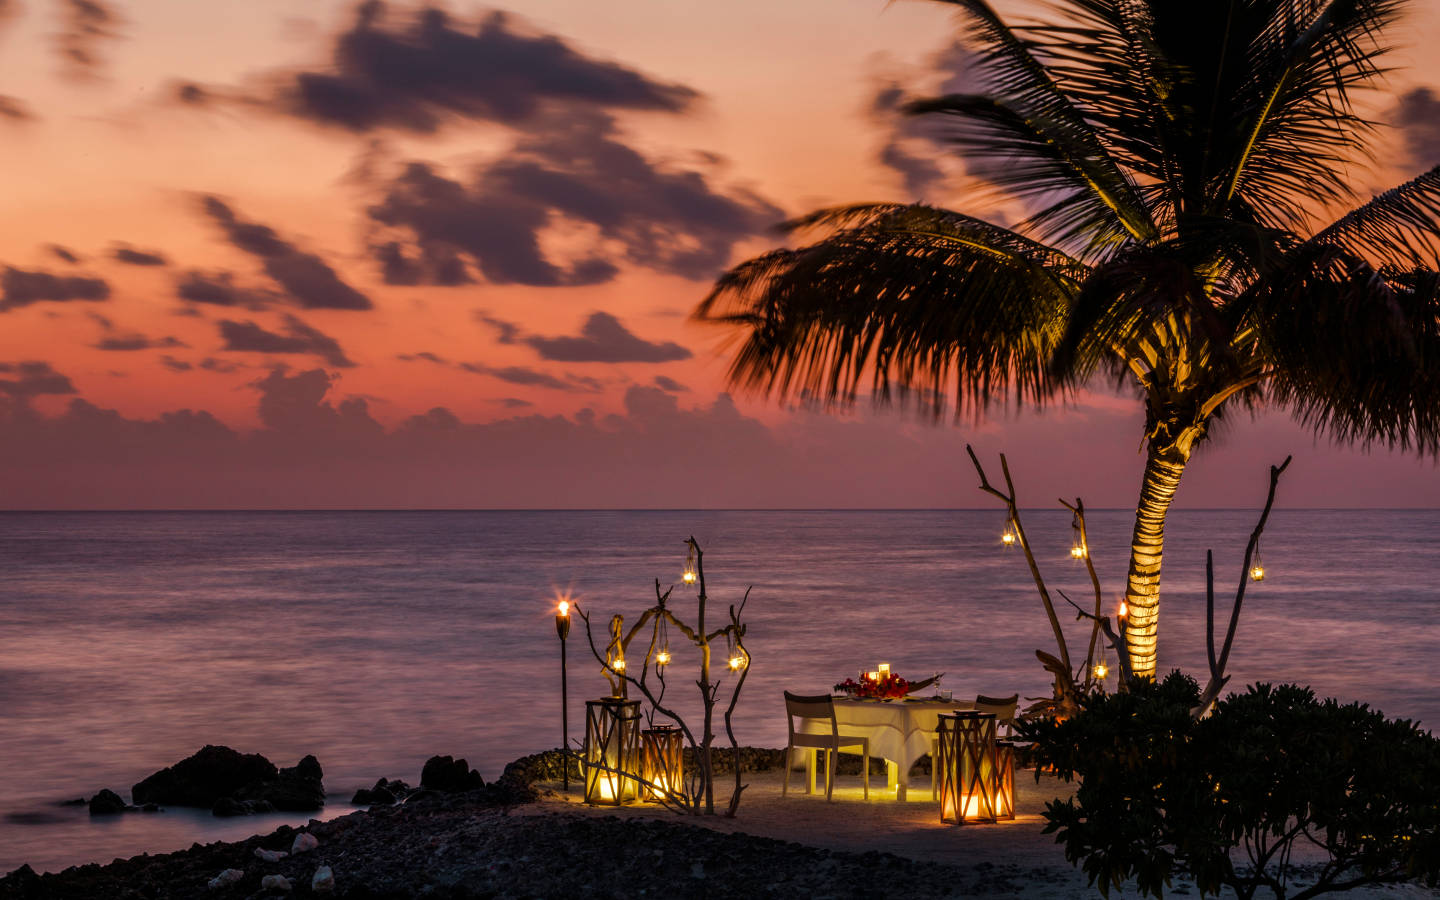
column 883, row 687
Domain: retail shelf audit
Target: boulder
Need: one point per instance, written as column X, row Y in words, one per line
column 324, row 881
column 295, row 789
column 204, row 778
column 225, row 879
column 447, row 775
column 106, row 803
column 383, row 793
column 275, row 883
column 304, row 842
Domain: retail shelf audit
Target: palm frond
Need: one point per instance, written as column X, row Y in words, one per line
column 919, row 298
column 1399, row 228
column 1038, row 140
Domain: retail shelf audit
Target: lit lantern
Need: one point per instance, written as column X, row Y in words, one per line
column 884, row 670
column 690, row 574
column 977, row 775
column 1008, row 536
column 1101, row 670
column 662, row 638
column 1257, row 571
column 662, row 658
column 612, row 751
column 1078, row 550
column 662, row 763
column 737, row 658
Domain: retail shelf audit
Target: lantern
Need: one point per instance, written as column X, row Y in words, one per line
column 737, row 659
column 662, row 642
column 612, row 751
column 977, row 775
column 689, row 574
column 1257, row 571
column 1078, row 550
column 661, row 762
column 1007, row 536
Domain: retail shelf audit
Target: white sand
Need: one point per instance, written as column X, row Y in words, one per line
column 911, row 829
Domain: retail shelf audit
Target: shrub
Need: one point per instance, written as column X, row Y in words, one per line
column 1271, row 769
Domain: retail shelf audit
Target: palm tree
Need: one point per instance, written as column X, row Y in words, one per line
column 1177, row 156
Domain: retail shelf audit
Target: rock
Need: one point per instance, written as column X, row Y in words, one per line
column 442, row 773
column 106, row 803
column 227, row 807
column 383, row 793
column 304, row 843
column 324, row 881
column 204, row 778
column 274, row 883
column 295, row 789
column 225, row 879
column 269, row 855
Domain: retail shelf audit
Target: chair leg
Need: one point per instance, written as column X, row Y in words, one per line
column 935, row 768
column 831, row 758
column 811, row 761
column 865, row 768
column 789, row 764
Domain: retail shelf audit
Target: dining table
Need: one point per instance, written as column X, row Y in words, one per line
column 900, row 730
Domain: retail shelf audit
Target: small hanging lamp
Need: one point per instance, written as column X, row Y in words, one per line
column 689, row 575
column 662, row 644
column 1257, row 567
column 735, row 657
column 1008, row 536
column 1101, row 670
column 1077, row 539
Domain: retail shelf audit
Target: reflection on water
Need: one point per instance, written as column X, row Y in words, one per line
column 375, row 640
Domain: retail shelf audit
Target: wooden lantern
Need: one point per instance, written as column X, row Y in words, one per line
column 977, row 775
column 612, row 751
column 662, row 762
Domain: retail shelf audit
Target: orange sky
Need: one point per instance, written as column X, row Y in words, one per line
column 777, row 122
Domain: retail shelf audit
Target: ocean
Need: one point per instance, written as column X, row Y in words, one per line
column 377, row 639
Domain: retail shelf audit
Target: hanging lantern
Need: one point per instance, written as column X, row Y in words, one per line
column 737, row 659
column 1078, row 549
column 1008, row 536
column 977, row 775
column 690, row 575
column 612, row 751
column 1257, row 570
column 662, row 762
column 662, row 641
column 1101, row 670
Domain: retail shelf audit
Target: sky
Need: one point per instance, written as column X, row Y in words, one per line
column 335, row 255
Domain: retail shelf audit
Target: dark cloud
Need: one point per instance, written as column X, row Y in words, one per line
column 913, row 143
column 425, row 355
column 418, row 75
column 22, row 288
column 23, row 380
column 88, row 25
column 135, row 257
column 211, row 364
column 218, row 289
column 304, row 276
column 669, row 384
column 64, row 253
column 136, row 341
column 527, row 377
column 514, row 403
column 13, row 110
column 296, row 403
column 1418, row 117
column 298, row 338
column 505, row 332
column 604, row 339
column 435, row 263
column 573, row 171
column 175, row 365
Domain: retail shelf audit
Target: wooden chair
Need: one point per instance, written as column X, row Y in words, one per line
column 821, row 708
column 1002, row 707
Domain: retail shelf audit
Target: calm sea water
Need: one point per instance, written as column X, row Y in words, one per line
column 374, row 640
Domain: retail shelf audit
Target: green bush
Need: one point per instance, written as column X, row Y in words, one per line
column 1268, row 771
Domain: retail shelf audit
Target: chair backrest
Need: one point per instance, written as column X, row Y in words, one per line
column 800, row 706
column 1002, row 707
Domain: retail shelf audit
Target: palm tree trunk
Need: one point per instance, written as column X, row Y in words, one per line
column 1142, row 589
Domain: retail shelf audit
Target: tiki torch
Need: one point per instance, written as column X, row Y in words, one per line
column 562, row 629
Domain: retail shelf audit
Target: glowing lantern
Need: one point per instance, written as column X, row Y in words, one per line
column 662, row 638
column 1078, row 550
column 1101, row 670
column 690, row 574
column 1257, row 571
column 1008, row 536
column 662, row 658
column 737, row 657
column 612, row 751
column 977, row 774
column 662, row 762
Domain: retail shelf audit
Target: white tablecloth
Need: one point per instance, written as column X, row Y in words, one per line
column 899, row 730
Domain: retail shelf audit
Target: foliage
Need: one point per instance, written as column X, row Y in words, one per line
column 1177, row 158
column 1270, row 771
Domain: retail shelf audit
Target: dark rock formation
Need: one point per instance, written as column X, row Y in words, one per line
column 230, row 783
column 383, row 793
column 449, row 776
column 106, row 803
column 204, row 778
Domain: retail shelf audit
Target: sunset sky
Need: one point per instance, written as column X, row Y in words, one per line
column 320, row 254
